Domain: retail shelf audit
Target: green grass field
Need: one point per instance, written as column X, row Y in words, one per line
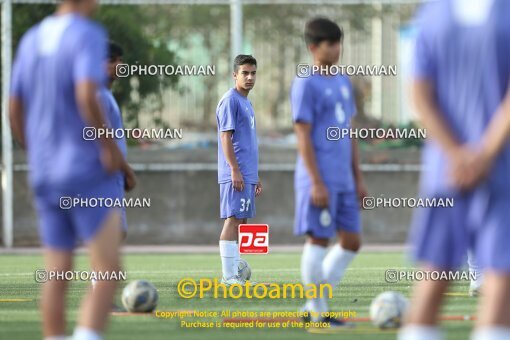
column 363, row 280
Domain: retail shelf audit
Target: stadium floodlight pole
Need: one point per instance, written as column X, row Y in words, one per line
column 7, row 196
column 236, row 28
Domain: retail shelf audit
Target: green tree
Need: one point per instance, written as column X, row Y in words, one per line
column 127, row 26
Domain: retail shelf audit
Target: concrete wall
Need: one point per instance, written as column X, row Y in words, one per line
column 185, row 209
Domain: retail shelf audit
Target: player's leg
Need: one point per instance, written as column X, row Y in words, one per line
column 58, row 238
column 493, row 316
column 314, row 251
column 53, row 293
column 104, row 257
column 235, row 207
column 348, row 222
column 340, row 256
column 229, row 249
column 475, row 274
column 493, row 255
column 440, row 240
column 238, row 254
column 123, row 236
column 316, row 223
column 422, row 319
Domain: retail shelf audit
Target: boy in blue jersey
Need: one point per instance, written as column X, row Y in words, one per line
column 238, row 158
column 328, row 181
column 126, row 180
column 58, row 69
column 461, row 91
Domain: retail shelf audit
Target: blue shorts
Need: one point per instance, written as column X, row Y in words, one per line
column 478, row 220
column 239, row 204
column 343, row 213
column 62, row 228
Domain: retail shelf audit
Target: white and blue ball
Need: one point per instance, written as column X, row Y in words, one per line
column 244, row 270
column 387, row 310
column 140, row 296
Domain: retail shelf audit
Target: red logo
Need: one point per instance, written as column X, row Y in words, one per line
column 253, row 238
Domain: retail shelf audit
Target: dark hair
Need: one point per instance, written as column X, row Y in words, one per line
column 322, row 29
column 114, row 50
column 243, row 59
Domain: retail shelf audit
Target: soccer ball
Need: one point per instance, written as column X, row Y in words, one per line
column 244, row 269
column 387, row 310
column 140, row 296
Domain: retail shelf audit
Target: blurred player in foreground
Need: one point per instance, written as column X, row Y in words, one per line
column 238, row 158
column 461, row 92
column 59, row 68
column 328, row 181
column 126, row 181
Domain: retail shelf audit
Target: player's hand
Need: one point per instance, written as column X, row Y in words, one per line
column 320, row 196
column 129, row 178
column 111, row 157
column 468, row 167
column 258, row 189
column 237, row 180
column 362, row 190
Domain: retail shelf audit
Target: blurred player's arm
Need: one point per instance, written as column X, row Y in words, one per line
column 305, row 148
column 469, row 164
column 17, row 119
column 129, row 178
column 230, row 156
column 90, row 109
column 428, row 110
column 258, row 188
column 497, row 133
column 358, row 177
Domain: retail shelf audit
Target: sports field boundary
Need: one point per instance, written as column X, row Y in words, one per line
column 200, row 249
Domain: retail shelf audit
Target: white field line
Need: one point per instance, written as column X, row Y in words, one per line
column 175, row 271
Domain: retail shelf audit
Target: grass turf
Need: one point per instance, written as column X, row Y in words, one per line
column 364, row 279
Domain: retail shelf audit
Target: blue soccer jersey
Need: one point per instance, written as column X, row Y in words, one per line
column 235, row 113
column 462, row 50
column 325, row 102
column 52, row 58
column 114, row 116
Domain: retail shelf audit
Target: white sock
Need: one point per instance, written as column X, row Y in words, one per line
column 238, row 258
column 491, row 333
column 419, row 332
column 311, row 273
column 335, row 263
column 82, row 333
column 56, row 337
column 474, row 271
column 228, row 252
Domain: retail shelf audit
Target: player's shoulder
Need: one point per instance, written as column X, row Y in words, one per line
column 345, row 81
column 300, row 84
column 28, row 39
column 230, row 98
column 430, row 13
column 86, row 27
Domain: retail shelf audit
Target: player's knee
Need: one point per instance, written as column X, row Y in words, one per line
column 233, row 223
column 323, row 242
column 352, row 244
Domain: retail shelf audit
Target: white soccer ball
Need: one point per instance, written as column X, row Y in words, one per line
column 388, row 309
column 243, row 269
column 140, row 296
